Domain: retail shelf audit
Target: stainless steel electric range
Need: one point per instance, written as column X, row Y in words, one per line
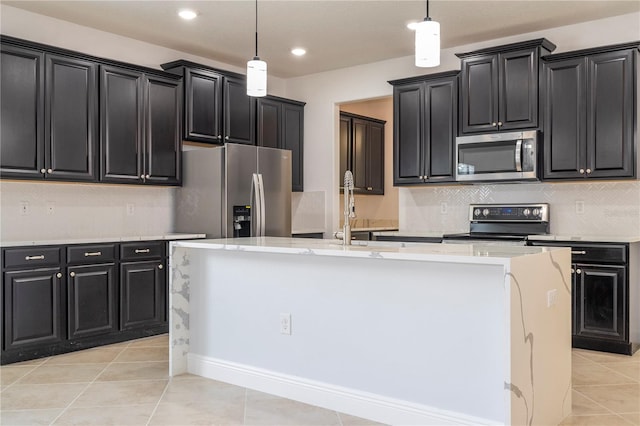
column 503, row 223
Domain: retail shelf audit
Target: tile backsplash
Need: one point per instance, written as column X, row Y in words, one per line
column 610, row 208
column 70, row 210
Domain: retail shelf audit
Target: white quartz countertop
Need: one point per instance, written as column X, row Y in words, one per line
column 452, row 253
column 61, row 241
column 586, row 238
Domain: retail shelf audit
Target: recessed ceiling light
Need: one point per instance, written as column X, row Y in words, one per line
column 298, row 51
column 187, row 14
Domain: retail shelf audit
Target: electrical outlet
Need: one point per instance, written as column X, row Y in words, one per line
column 24, row 208
column 579, row 207
column 131, row 209
column 51, row 207
column 285, row 324
column 443, row 208
column 552, row 297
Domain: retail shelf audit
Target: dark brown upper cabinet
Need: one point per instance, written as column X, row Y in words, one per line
column 49, row 115
column 590, row 108
column 362, row 152
column 425, row 126
column 280, row 124
column 499, row 87
column 140, row 127
column 217, row 109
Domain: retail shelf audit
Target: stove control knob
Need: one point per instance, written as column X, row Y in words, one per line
column 526, row 212
column 476, row 212
column 536, row 212
column 485, row 212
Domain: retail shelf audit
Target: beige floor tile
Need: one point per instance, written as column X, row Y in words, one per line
column 135, row 371
column 604, row 420
column 596, row 374
column 578, row 358
column 633, row 418
column 143, row 354
column 617, row 398
column 102, row 394
column 131, row 415
column 9, row 374
column 265, row 409
column 348, row 420
column 200, row 389
column 581, row 405
column 605, row 356
column 29, row 397
column 155, row 341
column 198, row 413
column 629, row 369
column 79, row 373
column 87, row 356
column 29, row 417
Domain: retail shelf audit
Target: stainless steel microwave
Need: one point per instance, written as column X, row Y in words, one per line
column 509, row 156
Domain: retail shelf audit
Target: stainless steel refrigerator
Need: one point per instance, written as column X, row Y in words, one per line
column 234, row 191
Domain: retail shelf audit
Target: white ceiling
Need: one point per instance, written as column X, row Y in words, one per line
column 336, row 33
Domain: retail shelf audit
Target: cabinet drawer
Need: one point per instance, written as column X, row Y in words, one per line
column 142, row 250
column 599, row 253
column 94, row 253
column 32, row 256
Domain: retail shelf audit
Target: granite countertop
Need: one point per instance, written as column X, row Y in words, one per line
column 450, row 253
column 61, row 241
column 587, row 238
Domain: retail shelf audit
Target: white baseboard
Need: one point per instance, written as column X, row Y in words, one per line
column 345, row 400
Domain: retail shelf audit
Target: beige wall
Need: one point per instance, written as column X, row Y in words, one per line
column 377, row 208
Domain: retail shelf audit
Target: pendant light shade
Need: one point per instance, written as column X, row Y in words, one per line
column 256, row 71
column 427, row 42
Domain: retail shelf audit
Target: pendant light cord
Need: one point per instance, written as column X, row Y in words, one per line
column 427, row 9
column 256, row 28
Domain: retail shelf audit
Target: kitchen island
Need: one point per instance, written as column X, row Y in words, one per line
column 394, row 332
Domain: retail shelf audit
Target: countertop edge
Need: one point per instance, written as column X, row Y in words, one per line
column 95, row 240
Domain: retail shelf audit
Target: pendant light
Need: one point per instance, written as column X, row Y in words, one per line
column 427, row 42
column 256, row 71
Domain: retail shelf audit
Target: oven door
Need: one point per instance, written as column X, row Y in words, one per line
column 496, row 157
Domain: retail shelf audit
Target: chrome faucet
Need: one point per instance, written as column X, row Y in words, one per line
column 349, row 208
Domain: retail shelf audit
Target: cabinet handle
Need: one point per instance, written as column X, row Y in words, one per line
column 59, row 275
column 573, row 271
column 138, row 251
column 141, row 176
column 43, row 171
column 494, row 124
column 49, row 171
column 38, row 257
column 93, row 253
column 499, row 123
column 578, row 252
column 581, row 171
column 72, row 274
column 147, row 176
column 588, row 171
column 369, row 188
column 578, row 271
column 160, row 266
column 226, row 137
column 219, row 136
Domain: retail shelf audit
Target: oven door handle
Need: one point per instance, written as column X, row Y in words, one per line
column 518, row 155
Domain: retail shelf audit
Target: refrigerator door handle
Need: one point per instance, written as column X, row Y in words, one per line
column 255, row 195
column 262, row 206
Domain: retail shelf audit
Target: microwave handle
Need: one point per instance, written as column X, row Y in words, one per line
column 518, row 155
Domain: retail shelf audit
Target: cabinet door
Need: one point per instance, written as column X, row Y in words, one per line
column 71, row 107
column 32, row 308
column 518, row 79
column 121, row 125
column 565, row 119
column 91, row 300
column 293, row 140
column 441, row 124
column 239, row 118
column 601, row 302
column 162, row 141
column 345, row 148
column 479, row 94
column 142, row 294
column 408, row 116
column 610, row 119
column 375, row 159
column 22, row 113
column 202, row 106
column 360, row 136
column 269, row 121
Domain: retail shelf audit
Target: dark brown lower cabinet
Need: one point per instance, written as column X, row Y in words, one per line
column 32, row 308
column 92, row 302
column 142, row 287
